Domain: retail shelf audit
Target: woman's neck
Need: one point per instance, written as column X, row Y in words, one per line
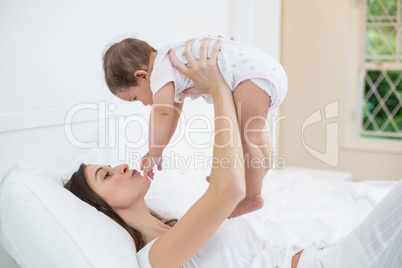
column 140, row 218
column 155, row 229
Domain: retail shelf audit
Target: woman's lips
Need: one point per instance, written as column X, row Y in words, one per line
column 134, row 172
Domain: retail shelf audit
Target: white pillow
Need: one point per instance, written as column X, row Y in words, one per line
column 44, row 225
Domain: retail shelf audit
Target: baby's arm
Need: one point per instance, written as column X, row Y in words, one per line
column 159, row 126
column 162, row 113
column 176, row 116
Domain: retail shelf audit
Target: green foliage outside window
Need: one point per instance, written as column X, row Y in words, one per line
column 391, row 103
column 382, row 48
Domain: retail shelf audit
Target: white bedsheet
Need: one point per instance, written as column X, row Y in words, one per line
column 298, row 209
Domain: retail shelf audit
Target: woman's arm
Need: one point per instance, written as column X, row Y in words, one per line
column 227, row 187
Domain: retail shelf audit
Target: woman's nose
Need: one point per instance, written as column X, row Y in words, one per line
column 122, row 168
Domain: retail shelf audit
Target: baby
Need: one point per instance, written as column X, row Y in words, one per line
column 134, row 71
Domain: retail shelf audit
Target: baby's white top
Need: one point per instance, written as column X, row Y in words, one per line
column 237, row 62
column 234, row 245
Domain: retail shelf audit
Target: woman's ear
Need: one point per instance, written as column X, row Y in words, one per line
column 141, row 74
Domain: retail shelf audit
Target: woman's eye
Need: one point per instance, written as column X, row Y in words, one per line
column 135, row 99
column 107, row 175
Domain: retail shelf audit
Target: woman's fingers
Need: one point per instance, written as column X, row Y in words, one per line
column 176, row 63
column 193, row 62
column 188, row 53
column 215, row 51
column 231, row 38
column 205, row 72
column 204, row 51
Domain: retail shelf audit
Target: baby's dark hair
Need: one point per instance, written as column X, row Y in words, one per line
column 122, row 60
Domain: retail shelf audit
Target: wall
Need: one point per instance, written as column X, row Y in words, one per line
column 51, row 56
column 322, row 50
column 51, row 50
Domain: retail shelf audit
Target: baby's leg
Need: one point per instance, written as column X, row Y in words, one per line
column 252, row 106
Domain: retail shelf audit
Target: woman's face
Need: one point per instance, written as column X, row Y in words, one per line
column 120, row 187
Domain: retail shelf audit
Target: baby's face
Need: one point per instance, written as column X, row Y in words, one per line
column 141, row 93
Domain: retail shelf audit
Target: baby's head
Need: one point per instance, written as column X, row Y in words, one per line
column 126, row 66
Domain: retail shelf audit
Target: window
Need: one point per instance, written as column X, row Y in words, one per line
column 382, row 92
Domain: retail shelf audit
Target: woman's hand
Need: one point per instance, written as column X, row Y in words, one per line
column 204, row 72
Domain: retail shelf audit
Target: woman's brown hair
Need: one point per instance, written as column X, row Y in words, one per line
column 122, row 60
column 79, row 186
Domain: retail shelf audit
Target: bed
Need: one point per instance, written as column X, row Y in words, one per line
column 43, row 225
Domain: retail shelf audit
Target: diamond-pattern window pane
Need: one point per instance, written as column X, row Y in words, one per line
column 382, row 104
column 383, row 31
column 382, row 43
column 382, row 98
column 382, row 10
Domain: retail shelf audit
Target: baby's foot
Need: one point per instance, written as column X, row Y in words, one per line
column 247, row 205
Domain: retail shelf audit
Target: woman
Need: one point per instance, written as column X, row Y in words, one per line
column 195, row 240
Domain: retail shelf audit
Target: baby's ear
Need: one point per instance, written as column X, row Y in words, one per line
column 141, row 74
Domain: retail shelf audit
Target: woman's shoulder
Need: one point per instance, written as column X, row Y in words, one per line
column 142, row 255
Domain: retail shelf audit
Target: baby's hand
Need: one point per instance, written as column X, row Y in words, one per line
column 147, row 164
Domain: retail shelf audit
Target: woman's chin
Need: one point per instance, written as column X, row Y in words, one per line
column 141, row 178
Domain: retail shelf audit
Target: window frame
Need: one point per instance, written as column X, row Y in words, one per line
column 355, row 73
